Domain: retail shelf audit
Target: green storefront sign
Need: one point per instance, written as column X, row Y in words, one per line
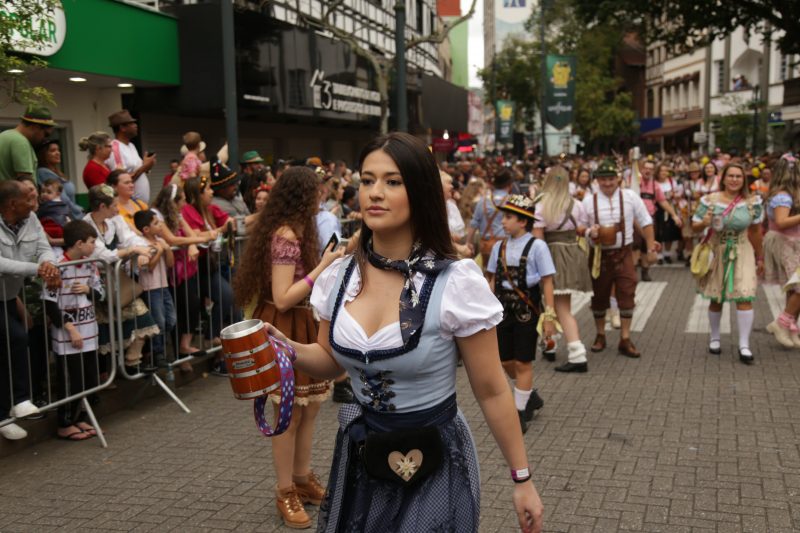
column 505, row 121
column 112, row 38
column 560, row 90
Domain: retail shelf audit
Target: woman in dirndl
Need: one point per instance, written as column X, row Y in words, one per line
column 733, row 217
column 279, row 266
column 560, row 221
column 396, row 316
column 667, row 230
column 782, row 246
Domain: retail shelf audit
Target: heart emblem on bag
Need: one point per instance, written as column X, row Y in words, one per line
column 405, row 466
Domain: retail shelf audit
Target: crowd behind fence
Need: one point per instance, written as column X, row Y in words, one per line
column 138, row 334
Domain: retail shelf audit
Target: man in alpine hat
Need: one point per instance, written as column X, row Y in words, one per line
column 612, row 212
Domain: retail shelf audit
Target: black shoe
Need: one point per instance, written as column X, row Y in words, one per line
column 550, row 356
column 534, row 402
column 573, row 367
column 682, row 256
column 523, row 424
column 746, row 359
column 342, row 393
column 668, row 260
column 715, row 350
column 646, row 275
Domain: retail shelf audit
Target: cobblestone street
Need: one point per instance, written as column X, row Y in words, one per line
column 677, row 441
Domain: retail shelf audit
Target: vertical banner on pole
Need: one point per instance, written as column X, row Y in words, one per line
column 505, row 121
column 560, row 90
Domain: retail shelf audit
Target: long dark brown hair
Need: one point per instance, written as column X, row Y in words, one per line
column 194, row 188
column 293, row 202
column 425, row 196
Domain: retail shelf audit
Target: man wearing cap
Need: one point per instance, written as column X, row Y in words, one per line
column 125, row 156
column 225, row 184
column 17, row 154
column 612, row 213
column 254, row 173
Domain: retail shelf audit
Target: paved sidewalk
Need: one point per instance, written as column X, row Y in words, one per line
column 677, row 441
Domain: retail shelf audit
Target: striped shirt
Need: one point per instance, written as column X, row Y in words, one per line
column 75, row 308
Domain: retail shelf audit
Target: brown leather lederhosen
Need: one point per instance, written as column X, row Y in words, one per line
column 616, row 270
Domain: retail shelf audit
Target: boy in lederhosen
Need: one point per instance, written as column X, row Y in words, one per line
column 521, row 271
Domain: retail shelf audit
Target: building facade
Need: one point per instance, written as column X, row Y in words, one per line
column 93, row 72
column 737, row 93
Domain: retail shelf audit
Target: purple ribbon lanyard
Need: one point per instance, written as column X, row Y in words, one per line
column 283, row 355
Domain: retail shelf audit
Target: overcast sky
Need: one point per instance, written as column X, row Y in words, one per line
column 475, row 41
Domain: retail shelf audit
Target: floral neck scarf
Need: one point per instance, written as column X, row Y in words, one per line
column 412, row 314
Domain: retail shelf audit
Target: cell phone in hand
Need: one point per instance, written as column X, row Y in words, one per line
column 334, row 240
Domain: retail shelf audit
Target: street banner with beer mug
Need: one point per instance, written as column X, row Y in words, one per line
column 505, row 121
column 560, row 90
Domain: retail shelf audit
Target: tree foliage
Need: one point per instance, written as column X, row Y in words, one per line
column 684, row 24
column 20, row 24
column 603, row 109
column 515, row 75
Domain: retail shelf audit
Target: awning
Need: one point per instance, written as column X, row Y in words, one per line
column 668, row 131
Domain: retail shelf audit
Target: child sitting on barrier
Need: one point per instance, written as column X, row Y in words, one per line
column 153, row 279
column 74, row 327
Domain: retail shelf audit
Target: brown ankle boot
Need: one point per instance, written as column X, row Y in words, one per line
column 291, row 508
column 309, row 488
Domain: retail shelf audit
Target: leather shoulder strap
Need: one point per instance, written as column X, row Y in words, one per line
column 489, row 232
column 596, row 215
column 622, row 216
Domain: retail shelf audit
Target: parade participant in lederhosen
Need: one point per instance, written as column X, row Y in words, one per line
column 396, row 317
column 612, row 213
column 653, row 196
column 560, row 220
column 782, row 245
column 734, row 217
column 279, row 268
column 521, row 272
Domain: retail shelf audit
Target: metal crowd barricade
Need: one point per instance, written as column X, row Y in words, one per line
column 130, row 319
column 38, row 352
column 203, row 305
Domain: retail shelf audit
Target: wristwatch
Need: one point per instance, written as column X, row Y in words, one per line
column 520, row 476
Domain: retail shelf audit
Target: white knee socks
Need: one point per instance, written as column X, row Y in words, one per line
column 521, row 398
column 745, row 322
column 714, row 318
column 576, row 352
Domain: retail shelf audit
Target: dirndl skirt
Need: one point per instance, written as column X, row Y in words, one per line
column 666, row 229
column 732, row 276
column 571, row 262
column 781, row 257
column 448, row 500
column 299, row 325
column 137, row 323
